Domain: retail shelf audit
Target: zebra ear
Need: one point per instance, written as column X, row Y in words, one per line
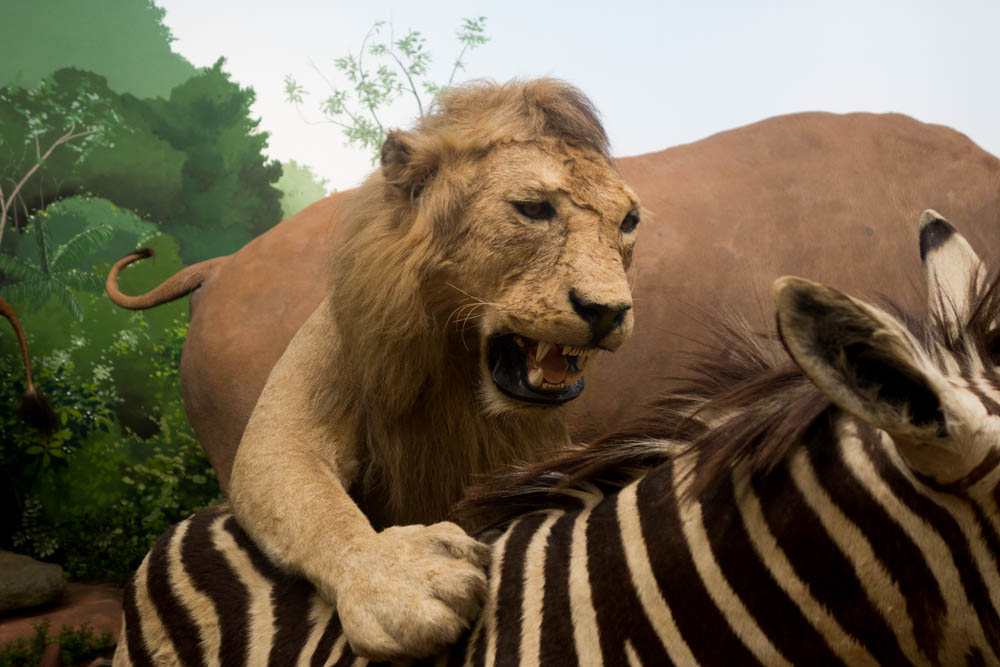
column 863, row 359
column 952, row 269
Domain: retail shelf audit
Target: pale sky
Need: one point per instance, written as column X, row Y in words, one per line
column 661, row 73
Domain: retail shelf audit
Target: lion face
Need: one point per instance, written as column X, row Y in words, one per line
column 541, row 259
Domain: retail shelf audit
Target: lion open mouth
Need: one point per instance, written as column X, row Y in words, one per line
column 537, row 371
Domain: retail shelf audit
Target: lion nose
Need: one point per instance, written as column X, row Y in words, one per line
column 602, row 318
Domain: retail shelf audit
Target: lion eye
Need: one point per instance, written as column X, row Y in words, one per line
column 535, row 210
column 630, row 222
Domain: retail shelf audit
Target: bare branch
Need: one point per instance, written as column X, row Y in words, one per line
column 364, row 75
column 5, row 202
column 413, row 86
column 329, row 83
column 458, row 64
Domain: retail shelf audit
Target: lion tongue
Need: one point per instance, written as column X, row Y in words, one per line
column 554, row 365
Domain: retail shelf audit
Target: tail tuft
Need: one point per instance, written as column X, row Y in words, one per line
column 37, row 413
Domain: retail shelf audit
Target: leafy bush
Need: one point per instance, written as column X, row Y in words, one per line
column 82, row 408
column 97, row 495
column 77, row 645
column 124, row 463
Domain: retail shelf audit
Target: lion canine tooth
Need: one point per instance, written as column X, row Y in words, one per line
column 535, row 376
column 543, row 349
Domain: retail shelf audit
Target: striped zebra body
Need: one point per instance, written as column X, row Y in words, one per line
column 847, row 546
column 636, row 577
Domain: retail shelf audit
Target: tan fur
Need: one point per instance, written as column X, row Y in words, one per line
column 386, row 391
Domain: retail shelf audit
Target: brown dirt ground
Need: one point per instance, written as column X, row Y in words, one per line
column 98, row 605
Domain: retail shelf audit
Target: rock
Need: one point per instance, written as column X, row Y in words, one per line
column 26, row 582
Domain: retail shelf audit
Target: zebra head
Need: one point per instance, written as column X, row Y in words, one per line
column 936, row 393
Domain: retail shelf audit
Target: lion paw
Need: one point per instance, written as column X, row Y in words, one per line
column 411, row 590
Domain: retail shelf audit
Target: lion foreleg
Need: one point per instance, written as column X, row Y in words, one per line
column 405, row 591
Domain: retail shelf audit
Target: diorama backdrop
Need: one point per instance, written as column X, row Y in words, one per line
column 191, row 127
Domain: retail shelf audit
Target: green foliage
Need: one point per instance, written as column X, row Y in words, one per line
column 107, row 539
column 183, row 172
column 82, row 644
column 300, row 186
column 81, row 405
column 401, row 68
column 27, row 651
column 194, row 160
column 124, row 464
column 32, row 118
column 125, row 40
column 100, row 525
column 122, row 160
column 226, row 181
column 77, row 645
column 55, row 274
column 69, row 217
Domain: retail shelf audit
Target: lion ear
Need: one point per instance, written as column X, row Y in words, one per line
column 408, row 163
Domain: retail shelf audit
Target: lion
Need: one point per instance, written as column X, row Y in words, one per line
column 482, row 269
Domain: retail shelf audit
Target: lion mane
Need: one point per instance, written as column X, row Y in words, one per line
column 405, row 345
column 400, row 367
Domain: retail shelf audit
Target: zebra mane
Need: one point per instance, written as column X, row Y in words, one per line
column 758, row 401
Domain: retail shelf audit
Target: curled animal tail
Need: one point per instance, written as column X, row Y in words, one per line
column 180, row 284
column 35, row 408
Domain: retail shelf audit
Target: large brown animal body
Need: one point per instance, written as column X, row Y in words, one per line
column 830, row 196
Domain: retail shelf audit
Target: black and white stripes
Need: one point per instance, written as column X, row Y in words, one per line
column 871, row 537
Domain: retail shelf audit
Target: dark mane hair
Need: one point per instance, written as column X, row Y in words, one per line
column 746, row 379
column 520, row 110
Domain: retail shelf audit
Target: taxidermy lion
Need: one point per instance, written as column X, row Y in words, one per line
column 482, row 267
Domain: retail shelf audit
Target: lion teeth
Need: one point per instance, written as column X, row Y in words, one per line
column 577, row 351
column 543, row 349
column 535, row 377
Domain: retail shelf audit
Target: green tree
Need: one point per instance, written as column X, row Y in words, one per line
column 124, row 40
column 300, row 186
column 226, row 182
column 120, row 158
column 401, row 67
column 194, row 162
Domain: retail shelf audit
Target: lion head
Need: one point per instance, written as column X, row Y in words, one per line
column 485, row 265
column 500, row 234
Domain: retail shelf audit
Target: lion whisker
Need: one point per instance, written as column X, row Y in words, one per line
column 475, row 298
column 458, row 314
column 462, row 291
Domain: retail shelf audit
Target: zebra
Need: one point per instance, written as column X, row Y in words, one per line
column 835, row 503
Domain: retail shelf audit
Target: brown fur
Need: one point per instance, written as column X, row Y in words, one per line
column 402, row 368
column 828, row 196
column 35, row 409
